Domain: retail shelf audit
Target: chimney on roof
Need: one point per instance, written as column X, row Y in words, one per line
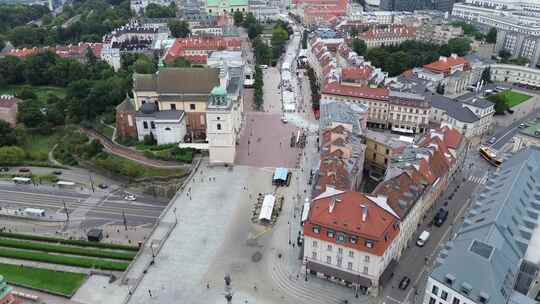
column 364, row 212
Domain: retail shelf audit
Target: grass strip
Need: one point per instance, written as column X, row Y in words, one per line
column 62, row 259
column 91, row 252
column 67, row 242
column 57, row 282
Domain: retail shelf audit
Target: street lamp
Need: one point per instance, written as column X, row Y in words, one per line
column 153, row 254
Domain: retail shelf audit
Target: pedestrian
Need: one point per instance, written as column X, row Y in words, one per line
column 150, row 293
column 208, row 285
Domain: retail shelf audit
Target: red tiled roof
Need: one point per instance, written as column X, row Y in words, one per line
column 445, row 63
column 67, row 51
column 24, row 52
column 203, row 44
column 402, row 191
column 355, row 91
column 379, row 225
column 356, row 73
column 8, row 101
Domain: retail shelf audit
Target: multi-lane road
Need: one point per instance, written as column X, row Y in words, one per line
column 100, row 207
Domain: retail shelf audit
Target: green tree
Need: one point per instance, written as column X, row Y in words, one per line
column 491, row 36
column 278, row 40
column 505, row 55
column 28, row 35
column 500, row 104
column 519, row 61
column 179, row 28
column 153, row 10
column 254, row 30
column 11, row 70
column 30, row 114
column 8, row 137
column 25, row 93
column 459, row 46
column 180, row 62
column 144, row 66
column 249, row 19
column 263, row 53
column 359, row 46
column 238, row 18
column 11, row 155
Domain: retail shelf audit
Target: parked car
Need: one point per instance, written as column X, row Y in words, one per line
column 103, row 186
column 522, row 126
column 57, row 172
column 492, row 140
column 440, row 217
column 4, row 169
column 404, row 283
column 24, row 170
column 423, row 238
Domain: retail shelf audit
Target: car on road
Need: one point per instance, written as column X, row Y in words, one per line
column 440, row 217
column 24, row 170
column 103, row 186
column 57, row 172
column 404, row 283
column 130, row 197
column 492, row 140
column 522, row 126
column 4, row 169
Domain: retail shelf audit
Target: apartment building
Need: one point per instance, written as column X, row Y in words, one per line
column 493, row 256
column 197, row 49
column 415, row 5
column 416, row 177
column 515, row 74
column 438, row 33
column 392, row 35
column 350, row 238
column 381, row 147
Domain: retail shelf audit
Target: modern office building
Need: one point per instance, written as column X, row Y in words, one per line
column 493, row 257
column 414, row 5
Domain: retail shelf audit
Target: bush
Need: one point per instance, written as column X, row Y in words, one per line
column 63, row 260
column 66, row 242
column 127, row 141
column 149, row 140
column 11, row 155
column 31, row 245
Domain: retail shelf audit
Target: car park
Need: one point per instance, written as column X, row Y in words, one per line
column 404, row 283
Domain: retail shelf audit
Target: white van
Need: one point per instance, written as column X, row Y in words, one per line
column 422, row 239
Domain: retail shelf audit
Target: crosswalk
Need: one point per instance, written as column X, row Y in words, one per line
column 478, row 179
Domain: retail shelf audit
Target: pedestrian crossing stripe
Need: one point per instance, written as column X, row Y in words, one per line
column 479, row 180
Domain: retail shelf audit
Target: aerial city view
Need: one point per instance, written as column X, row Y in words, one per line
column 270, row 151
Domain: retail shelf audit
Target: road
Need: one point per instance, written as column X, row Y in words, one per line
column 109, row 208
column 504, row 135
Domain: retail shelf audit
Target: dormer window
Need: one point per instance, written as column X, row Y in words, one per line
column 368, row 243
column 341, row 237
column 330, row 233
column 316, row 229
column 354, row 239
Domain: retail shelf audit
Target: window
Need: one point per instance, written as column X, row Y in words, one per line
column 369, row 244
column 353, row 239
column 351, row 253
column 329, row 248
column 192, row 106
column 314, row 255
column 386, row 161
column 152, row 125
column 435, row 290
column 173, row 106
column 339, row 261
column 218, row 126
column 330, row 233
column 340, row 251
column 455, row 301
column 167, row 129
column 314, row 244
column 444, row 295
column 432, row 301
column 349, row 265
column 316, row 229
column 387, row 151
column 145, row 124
column 366, row 259
column 340, row 237
column 144, row 101
column 218, row 118
column 366, row 270
column 328, row 259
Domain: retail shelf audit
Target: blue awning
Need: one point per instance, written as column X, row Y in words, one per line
column 281, row 174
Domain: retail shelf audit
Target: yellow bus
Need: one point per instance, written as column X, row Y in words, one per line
column 490, row 156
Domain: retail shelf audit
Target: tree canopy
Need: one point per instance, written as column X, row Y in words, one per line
column 8, row 136
column 153, row 10
column 491, row 36
column 238, row 18
column 179, row 28
column 359, row 46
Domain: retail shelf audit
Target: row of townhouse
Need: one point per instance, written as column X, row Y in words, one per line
column 356, row 239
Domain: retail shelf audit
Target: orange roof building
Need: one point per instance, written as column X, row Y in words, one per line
column 199, row 48
column 448, row 65
column 350, row 236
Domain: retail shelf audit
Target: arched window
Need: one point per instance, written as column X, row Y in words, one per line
column 218, row 126
column 167, row 129
column 218, row 118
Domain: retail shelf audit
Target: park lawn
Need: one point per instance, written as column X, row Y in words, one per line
column 513, row 98
column 131, row 169
column 58, row 282
column 40, row 91
column 38, row 145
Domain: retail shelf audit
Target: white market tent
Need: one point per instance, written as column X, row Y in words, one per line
column 267, row 207
column 305, row 212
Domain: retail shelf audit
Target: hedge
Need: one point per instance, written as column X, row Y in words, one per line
column 30, row 245
column 63, row 260
column 67, row 242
